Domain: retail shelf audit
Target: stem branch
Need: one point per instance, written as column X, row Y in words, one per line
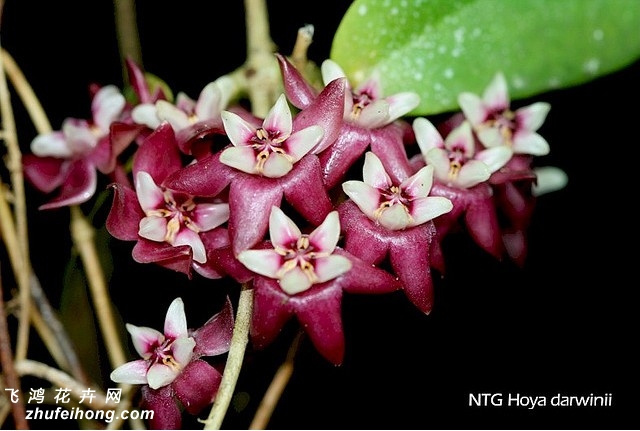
column 83, row 237
column 277, row 386
column 63, row 380
column 235, row 359
column 8, row 369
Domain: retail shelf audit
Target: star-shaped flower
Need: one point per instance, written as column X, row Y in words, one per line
column 192, row 120
column 461, row 173
column 267, row 162
column 68, row 158
column 146, row 90
column 395, row 207
column 298, row 261
column 370, row 120
column 496, row 124
column 396, row 220
column 456, row 160
column 304, row 275
column 175, row 229
column 170, row 366
column 272, row 149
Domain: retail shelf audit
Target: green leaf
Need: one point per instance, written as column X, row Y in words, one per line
column 440, row 48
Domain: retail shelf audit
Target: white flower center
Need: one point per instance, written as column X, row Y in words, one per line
column 163, row 353
column 301, row 253
column 267, row 142
column 390, row 197
column 178, row 209
column 505, row 122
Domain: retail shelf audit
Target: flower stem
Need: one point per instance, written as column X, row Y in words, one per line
column 63, row 380
column 127, row 28
column 277, row 386
column 83, row 237
column 24, row 90
column 262, row 70
column 8, row 369
column 43, row 316
column 14, row 163
column 235, row 359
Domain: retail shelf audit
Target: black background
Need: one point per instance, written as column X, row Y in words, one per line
column 565, row 323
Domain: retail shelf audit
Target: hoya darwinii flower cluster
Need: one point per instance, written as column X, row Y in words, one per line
column 324, row 195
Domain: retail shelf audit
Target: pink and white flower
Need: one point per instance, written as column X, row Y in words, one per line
column 164, row 355
column 192, row 120
column 456, row 159
column 171, row 369
column 298, row 260
column 383, row 219
column 496, row 124
column 461, row 172
column 68, row 158
column 176, row 229
column 304, row 275
column 267, row 162
column 272, row 149
column 370, row 121
column 395, row 206
column 176, row 218
column 365, row 105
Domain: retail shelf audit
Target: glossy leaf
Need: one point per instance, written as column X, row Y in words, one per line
column 439, row 48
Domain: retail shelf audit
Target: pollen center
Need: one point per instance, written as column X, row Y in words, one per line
column 266, row 143
column 300, row 254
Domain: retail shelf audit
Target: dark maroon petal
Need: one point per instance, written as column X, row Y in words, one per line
column 158, row 155
column 206, row 177
column 213, row 240
column 299, row 92
column 271, row 310
column 319, row 311
column 387, row 143
column 166, row 413
column 482, row 223
column 436, row 257
column 123, row 221
column 102, row 156
column 409, row 256
column 164, row 254
column 515, row 243
column 138, row 81
column 200, row 134
column 336, row 160
column 214, row 337
column 516, row 201
column 326, row 111
column 505, row 175
column 408, row 251
column 197, row 385
column 460, row 198
column 416, row 162
column 445, row 127
column 121, row 176
column 364, row 278
column 79, row 185
column 208, row 270
column 124, row 134
column 250, row 202
column 225, row 260
column 519, row 167
column 304, row 190
column 361, row 237
column 44, row 173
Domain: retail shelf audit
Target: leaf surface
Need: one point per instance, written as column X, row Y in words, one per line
column 439, row 48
